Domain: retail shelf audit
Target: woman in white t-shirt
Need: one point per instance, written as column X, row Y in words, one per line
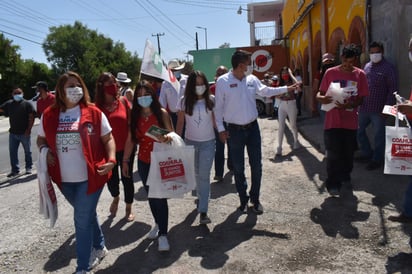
column 80, row 159
column 195, row 109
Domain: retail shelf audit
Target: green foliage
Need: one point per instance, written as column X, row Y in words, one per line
column 9, row 59
column 224, row 45
column 16, row 72
column 67, row 47
column 77, row 48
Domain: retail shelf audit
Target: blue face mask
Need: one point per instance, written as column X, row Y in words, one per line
column 18, row 97
column 145, row 101
column 177, row 74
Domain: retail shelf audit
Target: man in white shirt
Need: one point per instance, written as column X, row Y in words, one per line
column 236, row 120
column 168, row 94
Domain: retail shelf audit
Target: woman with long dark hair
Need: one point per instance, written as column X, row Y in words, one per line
column 287, row 109
column 146, row 112
column 195, row 109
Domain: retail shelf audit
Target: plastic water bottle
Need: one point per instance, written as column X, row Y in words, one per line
column 399, row 99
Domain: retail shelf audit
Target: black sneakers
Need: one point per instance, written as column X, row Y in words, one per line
column 12, row 174
column 204, row 219
column 243, row 205
column 257, row 208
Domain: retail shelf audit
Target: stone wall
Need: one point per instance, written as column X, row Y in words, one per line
column 392, row 25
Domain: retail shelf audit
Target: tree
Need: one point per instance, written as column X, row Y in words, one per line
column 224, row 45
column 31, row 72
column 77, row 48
column 16, row 72
column 9, row 59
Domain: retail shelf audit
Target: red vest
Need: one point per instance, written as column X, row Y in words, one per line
column 93, row 148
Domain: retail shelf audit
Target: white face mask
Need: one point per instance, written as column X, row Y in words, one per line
column 249, row 70
column 375, row 57
column 74, row 95
column 200, row 90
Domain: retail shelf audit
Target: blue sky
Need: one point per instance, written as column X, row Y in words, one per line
column 128, row 21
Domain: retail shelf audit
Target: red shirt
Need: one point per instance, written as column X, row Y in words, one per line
column 343, row 118
column 93, row 148
column 119, row 122
column 145, row 142
column 212, row 89
column 42, row 104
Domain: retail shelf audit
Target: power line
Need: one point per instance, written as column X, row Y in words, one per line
column 26, row 12
column 158, row 21
column 20, row 37
column 170, row 20
column 21, row 31
column 210, row 4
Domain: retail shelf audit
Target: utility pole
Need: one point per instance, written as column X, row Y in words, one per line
column 158, row 40
column 197, row 42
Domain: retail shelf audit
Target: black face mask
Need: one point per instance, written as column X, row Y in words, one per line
column 326, row 66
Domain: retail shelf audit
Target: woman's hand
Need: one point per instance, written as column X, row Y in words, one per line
column 50, row 159
column 165, row 139
column 105, row 168
column 125, row 169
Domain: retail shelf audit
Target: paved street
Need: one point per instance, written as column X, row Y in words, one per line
column 302, row 229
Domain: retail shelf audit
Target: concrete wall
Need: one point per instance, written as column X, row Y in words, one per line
column 392, row 24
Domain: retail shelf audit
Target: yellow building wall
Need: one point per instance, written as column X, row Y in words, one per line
column 291, row 12
column 341, row 14
column 316, row 20
column 299, row 40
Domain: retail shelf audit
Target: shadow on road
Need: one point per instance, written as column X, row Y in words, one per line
column 61, row 257
column 8, row 182
column 336, row 215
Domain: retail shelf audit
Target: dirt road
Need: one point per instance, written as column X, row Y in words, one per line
column 302, row 230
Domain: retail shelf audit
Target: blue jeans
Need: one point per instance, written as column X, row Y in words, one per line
column 378, row 124
column 159, row 207
column 204, row 152
column 239, row 138
column 340, row 144
column 88, row 231
column 407, row 203
column 14, row 142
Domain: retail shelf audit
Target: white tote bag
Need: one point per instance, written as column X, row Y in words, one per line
column 172, row 169
column 398, row 150
column 47, row 195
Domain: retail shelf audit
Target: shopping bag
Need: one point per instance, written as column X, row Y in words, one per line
column 398, row 150
column 48, row 200
column 172, row 170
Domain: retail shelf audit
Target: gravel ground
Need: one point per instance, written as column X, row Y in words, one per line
column 303, row 230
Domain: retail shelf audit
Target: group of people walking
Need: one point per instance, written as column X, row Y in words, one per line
column 90, row 145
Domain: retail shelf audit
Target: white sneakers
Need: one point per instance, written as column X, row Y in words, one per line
column 162, row 240
column 163, row 243
column 97, row 256
column 153, row 233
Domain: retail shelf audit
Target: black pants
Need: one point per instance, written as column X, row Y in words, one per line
column 128, row 185
column 340, row 145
